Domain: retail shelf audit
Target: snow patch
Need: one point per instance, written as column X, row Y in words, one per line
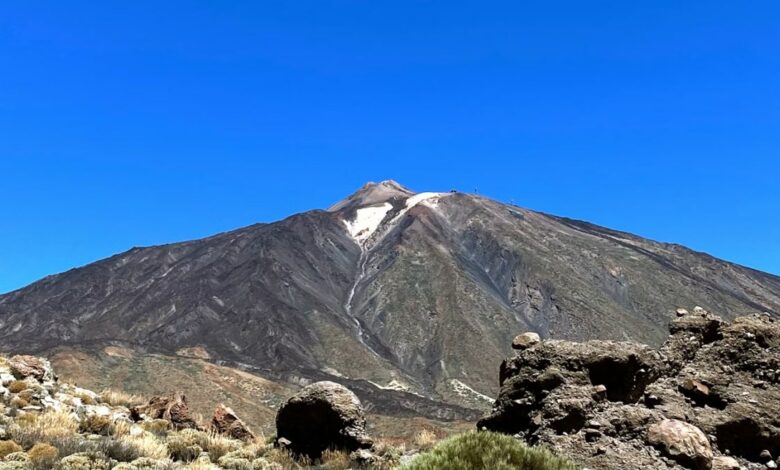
column 467, row 392
column 393, row 385
column 431, row 198
column 367, row 220
column 333, row 372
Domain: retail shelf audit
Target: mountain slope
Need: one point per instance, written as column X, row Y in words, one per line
column 421, row 292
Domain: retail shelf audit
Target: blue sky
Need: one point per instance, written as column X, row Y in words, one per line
column 149, row 122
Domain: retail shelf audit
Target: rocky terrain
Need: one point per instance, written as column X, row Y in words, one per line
column 708, row 398
column 411, row 298
column 47, row 424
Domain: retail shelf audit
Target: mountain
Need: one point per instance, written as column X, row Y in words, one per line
column 413, row 294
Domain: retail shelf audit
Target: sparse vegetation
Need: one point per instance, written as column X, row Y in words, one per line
column 43, row 456
column 9, row 447
column 95, row 424
column 425, row 439
column 119, row 398
column 17, row 386
column 488, row 451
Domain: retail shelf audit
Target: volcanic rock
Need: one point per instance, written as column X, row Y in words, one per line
column 30, row 366
column 225, row 421
column 682, row 442
column 324, row 415
column 708, row 396
column 525, row 340
column 172, row 407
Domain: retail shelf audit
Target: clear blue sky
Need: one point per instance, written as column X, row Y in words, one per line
column 137, row 123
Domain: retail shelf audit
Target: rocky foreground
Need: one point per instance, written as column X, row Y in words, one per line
column 47, row 424
column 709, row 398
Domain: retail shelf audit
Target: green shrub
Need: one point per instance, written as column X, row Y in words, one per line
column 488, row 451
column 234, row 463
column 84, row 461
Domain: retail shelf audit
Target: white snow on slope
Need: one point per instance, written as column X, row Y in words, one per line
column 432, row 198
column 467, row 392
column 367, row 220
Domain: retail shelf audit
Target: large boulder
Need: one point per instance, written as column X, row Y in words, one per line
column 324, row 415
column 683, row 442
column 171, row 407
column 225, row 421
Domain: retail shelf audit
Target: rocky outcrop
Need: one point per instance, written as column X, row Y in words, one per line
column 38, row 368
column 707, row 399
column 324, row 415
column 225, row 421
column 172, row 408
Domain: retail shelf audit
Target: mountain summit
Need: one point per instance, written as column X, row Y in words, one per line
column 417, row 292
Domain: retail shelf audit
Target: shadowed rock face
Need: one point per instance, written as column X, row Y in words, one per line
column 419, row 292
column 322, row 416
column 708, row 396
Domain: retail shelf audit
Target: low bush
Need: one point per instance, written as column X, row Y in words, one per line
column 425, row 440
column 17, row 386
column 84, row 461
column 95, row 424
column 488, row 451
column 43, row 456
column 9, row 447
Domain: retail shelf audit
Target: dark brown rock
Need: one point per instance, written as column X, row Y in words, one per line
column 171, row 407
column 324, row 415
column 225, row 421
column 713, row 385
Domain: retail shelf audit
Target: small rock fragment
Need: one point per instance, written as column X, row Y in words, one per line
column 526, row 340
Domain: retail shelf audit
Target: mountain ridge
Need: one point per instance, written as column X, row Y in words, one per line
column 419, row 291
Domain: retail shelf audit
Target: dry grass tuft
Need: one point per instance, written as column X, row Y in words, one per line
column 9, row 447
column 159, row 427
column 19, row 402
column 185, row 444
column 43, row 455
column 118, row 398
column 425, row 439
column 335, row 460
column 86, row 398
column 95, row 424
column 119, row 428
column 149, row 446
column 287, row 460
column 17, row 386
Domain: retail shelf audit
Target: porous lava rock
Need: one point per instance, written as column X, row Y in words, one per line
column 225, row 421
column 608, row 404
column 171, row 407
column 23, row 366
column 324, row 415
